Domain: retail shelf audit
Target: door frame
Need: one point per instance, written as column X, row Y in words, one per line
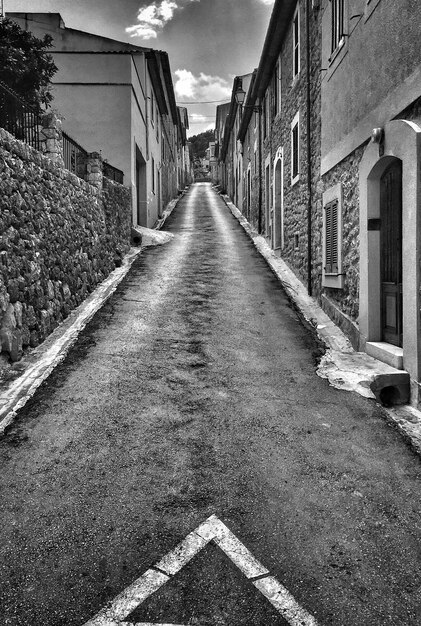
column 402, row 140
column 391, row 289
column 278, row 200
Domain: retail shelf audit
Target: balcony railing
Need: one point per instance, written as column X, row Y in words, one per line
column 112, row 173
column 74, row 156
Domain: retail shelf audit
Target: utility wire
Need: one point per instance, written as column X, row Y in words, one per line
column 208, row 102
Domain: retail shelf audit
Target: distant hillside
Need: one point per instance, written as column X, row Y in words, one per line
column 200, row 143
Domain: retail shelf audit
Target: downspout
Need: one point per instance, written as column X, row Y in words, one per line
column 147, row 98
column 259, row 229
column 309, row 168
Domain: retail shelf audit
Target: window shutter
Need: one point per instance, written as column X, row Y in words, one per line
column 331, row 237
column 328, row 239
column 334, row 211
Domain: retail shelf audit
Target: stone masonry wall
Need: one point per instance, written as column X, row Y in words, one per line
column 59, row 238
column 249, row 160
column 346, row 173
column 295, row 203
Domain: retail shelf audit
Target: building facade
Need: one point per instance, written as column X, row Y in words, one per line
column 330, row 143
column 118, row 99
column 370, row 169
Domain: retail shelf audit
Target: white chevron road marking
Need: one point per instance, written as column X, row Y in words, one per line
column 154, row 578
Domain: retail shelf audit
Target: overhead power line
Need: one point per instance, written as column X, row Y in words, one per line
column 208, row 102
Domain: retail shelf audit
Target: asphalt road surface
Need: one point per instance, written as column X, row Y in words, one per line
column 193, row 395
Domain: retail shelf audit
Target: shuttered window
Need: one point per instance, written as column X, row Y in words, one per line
column 295, row 149
column 338, row 12
column 296, row 42
column 331, row 238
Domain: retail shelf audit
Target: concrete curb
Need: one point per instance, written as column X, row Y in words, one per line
column 341, row 365
column 40, row 362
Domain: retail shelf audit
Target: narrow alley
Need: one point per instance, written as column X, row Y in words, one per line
column 193, row 394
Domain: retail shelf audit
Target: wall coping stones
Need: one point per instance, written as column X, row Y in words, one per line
column 29, row 154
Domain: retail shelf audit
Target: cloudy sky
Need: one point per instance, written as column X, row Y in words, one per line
column 208, row 41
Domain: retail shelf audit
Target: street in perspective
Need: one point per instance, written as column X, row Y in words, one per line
column 193, row 394
column 210, row 346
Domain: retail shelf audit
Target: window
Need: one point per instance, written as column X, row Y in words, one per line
column 267, row 112
column 274, row 95
column 296, row 42
column 332, row 238
column 295, row 149
column 152, row 108
column 278, row 86
column 265, row 117
column 337, row 23
column 153, row 175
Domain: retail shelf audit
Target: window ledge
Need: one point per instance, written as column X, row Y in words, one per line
column 333, row 281
column 336, row 52
column 295, row 180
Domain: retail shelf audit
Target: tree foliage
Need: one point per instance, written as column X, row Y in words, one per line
column 25, row 65
column 200, row 143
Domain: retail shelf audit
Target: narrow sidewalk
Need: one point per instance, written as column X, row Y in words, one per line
column 37, row 364
column 341, row 365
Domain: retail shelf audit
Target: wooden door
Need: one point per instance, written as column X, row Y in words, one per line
column 391, row 253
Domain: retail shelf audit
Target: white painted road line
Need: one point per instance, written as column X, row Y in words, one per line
column 23, row 388
column 211, row 529
column 182, row 554
column 214, row 529
column 129, row 599
column 284, row 602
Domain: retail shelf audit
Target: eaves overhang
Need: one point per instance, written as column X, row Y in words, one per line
column 280, row 19
column 166, row 69
column 229, row 124
column 153, row 65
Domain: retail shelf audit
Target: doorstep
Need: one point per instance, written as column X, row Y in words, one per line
column 385, row 352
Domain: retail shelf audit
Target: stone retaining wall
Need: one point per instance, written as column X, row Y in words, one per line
column 59, row 238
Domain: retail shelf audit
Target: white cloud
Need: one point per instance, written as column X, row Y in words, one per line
column 153, row 17
column 202, row 87
column 267, row 1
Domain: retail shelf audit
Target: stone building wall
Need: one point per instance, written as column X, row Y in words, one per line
column 347, row 173
column 251, row 140
column 295, row 201
column 59, row 238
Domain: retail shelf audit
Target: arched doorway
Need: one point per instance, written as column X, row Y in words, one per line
column 141, row 199
column 391, row 253
column 277, row 242
column 248, row 193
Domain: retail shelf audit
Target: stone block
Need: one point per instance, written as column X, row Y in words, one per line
column 18, row 311
column 11, row 342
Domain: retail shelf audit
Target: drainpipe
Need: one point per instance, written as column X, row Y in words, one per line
column 147, row 99
column 260, row 170
column 309, row 168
